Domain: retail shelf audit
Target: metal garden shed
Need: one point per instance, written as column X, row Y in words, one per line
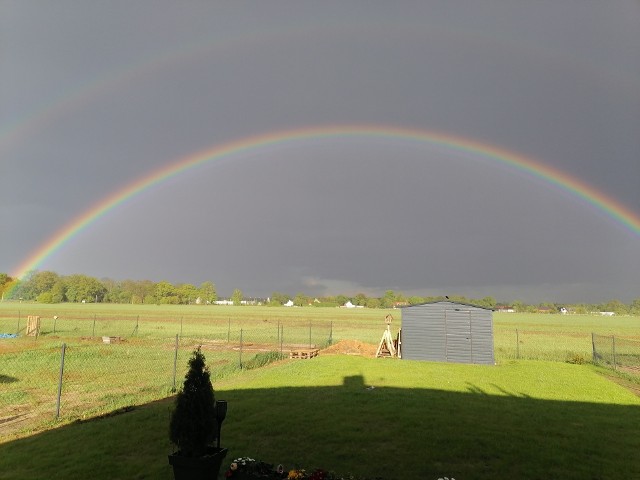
column 447, row 332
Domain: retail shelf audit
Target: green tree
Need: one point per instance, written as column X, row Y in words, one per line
column 415, row 300
column 278, row 298
column 301, row 300
column 487, row 302
column 58, row 292
column 373, row 302
column 187, row 293
column 166, row 293
column 518, row 306
column 45, row 297
column 207, row 292
column 138, row 291
column 6, row 284
column 359, row 299
column 616, row 306
column 341, row 300
column 236, row 297
column 36, row 282
column 84, row 288
column 389, row 299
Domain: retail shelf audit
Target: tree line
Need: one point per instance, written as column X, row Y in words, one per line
column 49, row 287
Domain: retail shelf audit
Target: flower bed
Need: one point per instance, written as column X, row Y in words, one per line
column 246, row 468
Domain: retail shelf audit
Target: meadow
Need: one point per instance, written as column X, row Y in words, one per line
column 516, row 335
column 532, row 351
column 378, row 418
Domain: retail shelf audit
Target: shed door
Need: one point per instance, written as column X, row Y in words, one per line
column 458, row 345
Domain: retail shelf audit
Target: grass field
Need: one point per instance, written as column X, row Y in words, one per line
column 100, row 378
column 394, row 419
column 527, row 336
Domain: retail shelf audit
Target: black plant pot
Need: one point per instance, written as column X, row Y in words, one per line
column 206, row 467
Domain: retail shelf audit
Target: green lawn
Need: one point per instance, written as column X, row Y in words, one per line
column 375, row 417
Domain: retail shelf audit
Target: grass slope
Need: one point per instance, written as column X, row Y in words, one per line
column 523, row 419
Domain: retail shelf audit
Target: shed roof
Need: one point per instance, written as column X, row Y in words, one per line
column 450, row 302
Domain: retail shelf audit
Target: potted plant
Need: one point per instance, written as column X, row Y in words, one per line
column 195, row 424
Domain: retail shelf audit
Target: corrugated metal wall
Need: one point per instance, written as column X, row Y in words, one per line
column 447, row 332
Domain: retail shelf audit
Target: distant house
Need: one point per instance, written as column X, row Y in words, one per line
column 289, row 304
column 504, row 309
column 351, row 305
column 608, row 314
column 224, row 302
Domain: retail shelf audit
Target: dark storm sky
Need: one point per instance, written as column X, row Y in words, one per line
column 94, row 95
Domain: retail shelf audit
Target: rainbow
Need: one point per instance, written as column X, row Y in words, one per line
column 496, row 155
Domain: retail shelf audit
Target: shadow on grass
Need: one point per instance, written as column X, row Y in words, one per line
column 387, row 432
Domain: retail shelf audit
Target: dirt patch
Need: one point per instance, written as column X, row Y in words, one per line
column 351, row 347
column 19, row 418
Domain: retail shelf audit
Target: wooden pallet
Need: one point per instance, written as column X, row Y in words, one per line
column 304, row 354
column 111, row 339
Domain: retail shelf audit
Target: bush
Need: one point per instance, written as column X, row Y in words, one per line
column 576, row 359
column 193, row 423
column 262, row 359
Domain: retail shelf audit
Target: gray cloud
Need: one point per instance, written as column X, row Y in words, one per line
column 93, row 98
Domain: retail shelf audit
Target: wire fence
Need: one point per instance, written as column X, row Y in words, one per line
column 135, row 326
column 615, row 352
column 79, row 367
column 43, row 383
column 530, row 344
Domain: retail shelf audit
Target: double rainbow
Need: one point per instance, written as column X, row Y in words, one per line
column 497, row 155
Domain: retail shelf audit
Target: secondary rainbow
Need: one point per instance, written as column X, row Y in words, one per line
column 498, row 155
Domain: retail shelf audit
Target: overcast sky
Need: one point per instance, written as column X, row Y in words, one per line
column 94, row 95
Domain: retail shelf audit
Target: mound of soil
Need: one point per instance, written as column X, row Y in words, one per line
column 351, row 347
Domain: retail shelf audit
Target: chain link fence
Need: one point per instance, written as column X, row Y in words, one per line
column 77, row 367
column 528, row 344
column 616, row 352
column 98, row 373
column 129, row 326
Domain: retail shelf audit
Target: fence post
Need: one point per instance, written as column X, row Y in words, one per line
column 64, row 348
column 613, row 351
column 94, row 326
column 18, row 330
column 240, row 360
column 175, row 364
column 517, row 344
column 593, row 348
column 331, row 333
